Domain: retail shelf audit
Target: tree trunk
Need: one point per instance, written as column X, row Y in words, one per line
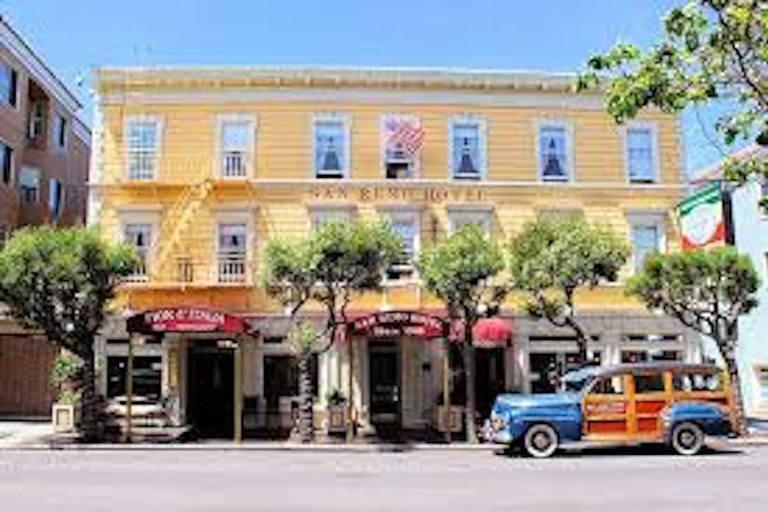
column 469, row 383
column 739, row 426
column 306, row 427
column 90, row 413
column 582, row 343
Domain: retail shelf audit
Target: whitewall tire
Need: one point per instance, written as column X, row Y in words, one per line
column 540, row 441
column 687, row 438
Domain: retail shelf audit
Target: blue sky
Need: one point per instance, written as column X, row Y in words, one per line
column 553, row 35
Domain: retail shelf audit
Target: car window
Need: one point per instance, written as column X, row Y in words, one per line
column 649, row 383
column 697, row 382
column 609, row 386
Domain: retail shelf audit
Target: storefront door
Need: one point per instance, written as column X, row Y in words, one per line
column 211, row 391
column 384, row 372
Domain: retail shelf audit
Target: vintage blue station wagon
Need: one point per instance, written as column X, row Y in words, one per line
column 673, row 403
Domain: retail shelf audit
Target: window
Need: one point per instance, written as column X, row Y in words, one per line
column 55, row 200
column 649, row 383
column 232, row 251
column 762, row 380
column 139, row 236
column 406, row 227
column 331, row 147
column 323, row 216
column 147, row 376
column 609, row 386
column 29, row 181
column 460, row 218
column 281, row 377
column 641, row 157
column 236, row 146
column 645, row 240
column 61, row 131
column 650, row 355
column 697, row 382
column 9, row 80
column 37, row 119
column 402, row 138
column 554, row 148
column 467, row 149
column 6, row 154
column 143, row 141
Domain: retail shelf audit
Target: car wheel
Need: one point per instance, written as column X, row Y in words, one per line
column 540, row 441
column 687, row 438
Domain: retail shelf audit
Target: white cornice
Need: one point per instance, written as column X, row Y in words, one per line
column 36, row 67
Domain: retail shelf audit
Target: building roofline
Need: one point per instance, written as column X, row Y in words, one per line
column 36, row 66
column 308, row 76
column 714, row 171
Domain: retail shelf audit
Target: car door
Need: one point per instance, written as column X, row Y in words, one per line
column 650, row 394
column 605, row 408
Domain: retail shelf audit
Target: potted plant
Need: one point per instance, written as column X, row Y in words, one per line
column 337, row 412
column 66, row 377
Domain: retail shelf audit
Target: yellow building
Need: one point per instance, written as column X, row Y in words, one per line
column 199, row 167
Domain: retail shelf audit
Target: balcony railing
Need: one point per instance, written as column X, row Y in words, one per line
column 139, row 274
column 234, row 164
column 231, row 267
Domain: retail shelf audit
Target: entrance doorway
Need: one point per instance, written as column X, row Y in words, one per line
column 211, row 387
column 384, row 375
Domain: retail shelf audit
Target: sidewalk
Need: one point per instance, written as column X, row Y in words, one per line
column 18, row 433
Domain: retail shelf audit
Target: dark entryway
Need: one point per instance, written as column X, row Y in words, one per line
column 384, row 379
column 211, row 391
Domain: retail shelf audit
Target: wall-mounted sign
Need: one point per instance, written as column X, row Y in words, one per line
column 396, row 194
column 185, row 319
column 393, row 324
column 702, row 223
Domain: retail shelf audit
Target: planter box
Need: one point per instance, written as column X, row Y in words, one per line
column 65, row 418
column 337, row 418
column 455, row 418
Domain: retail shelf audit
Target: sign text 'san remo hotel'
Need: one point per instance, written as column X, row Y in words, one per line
column 199, row 168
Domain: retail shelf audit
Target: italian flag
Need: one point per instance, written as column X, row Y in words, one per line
column 701, row 219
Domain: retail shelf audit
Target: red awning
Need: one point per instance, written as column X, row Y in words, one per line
column 487, row 333
column 185, row 319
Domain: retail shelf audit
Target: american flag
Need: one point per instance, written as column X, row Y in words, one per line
column 404, row 133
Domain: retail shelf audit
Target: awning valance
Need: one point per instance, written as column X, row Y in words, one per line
column 185, row 319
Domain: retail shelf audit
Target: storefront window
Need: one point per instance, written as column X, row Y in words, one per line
column 147, row 376
column 281, row 378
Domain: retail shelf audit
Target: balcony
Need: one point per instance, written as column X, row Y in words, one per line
column 231, row 267
column 234, row 164
column 139, row 274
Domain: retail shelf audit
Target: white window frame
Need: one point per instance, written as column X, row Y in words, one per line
column 482, row 131
column 317, row 212
column 23, row 186
column 141, row 214
column 482, row 216
column 412, row 216
column 12, row 174
column 346, row 122
column 16, row 103
column 250, row 151
column 34, row 119
column 416, row 162
column 569, row 164
column 655, row 160
column 235, row 217
column 646, row 219
column 158, row 121
column 148, row 257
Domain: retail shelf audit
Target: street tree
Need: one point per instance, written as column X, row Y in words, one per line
column 706, row 290
column 60, row 281
column 459, row 270
column 329, row 269
column 550, row 259
column 710, row 52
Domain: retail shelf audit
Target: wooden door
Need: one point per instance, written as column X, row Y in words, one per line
column 605, row 409
column 650, row 394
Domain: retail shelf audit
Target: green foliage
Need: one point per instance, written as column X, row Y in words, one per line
column 706, row 290
column 66, row 368
column 336, row 397
column 710, row 50
column 553, row 257
column 459, row 271
column 60, row 280
column 302, row 338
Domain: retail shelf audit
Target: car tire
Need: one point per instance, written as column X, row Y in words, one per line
column 687, row 438
column 540, row 441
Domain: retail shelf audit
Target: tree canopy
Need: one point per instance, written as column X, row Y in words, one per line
column 709, row 51
column 551, row 258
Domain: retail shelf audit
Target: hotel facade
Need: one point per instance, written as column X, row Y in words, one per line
column 198, row 168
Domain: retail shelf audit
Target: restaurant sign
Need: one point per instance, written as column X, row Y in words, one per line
column 185, row 319
column 393, row 324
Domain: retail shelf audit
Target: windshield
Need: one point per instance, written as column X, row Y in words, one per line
column 574, row 382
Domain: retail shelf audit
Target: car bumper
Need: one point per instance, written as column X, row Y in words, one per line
column 502, row 436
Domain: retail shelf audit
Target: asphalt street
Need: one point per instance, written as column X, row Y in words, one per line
column 472, row 481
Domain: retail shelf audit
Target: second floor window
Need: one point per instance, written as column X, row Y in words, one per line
column 29, row 182
column 406, row 227
column 646, row 239
column 143, row 146
column 236, row 143
column 330, row 145
column 232, row 251
column 467, row 152
column 61, row 131
column 9, row 80
column 324, row 216
column 37, row 119
column 6, row 161
column 139, row 236
column 640, row 155
column 553, row 153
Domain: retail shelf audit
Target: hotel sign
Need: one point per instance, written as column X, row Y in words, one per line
column 185, row 319
column 393, row 324
column 397, row 194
